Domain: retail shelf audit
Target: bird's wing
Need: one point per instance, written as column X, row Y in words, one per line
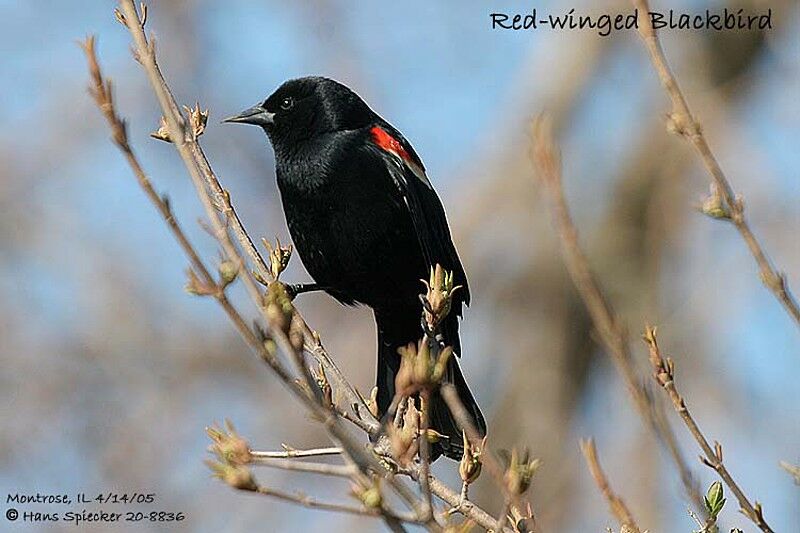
column 424, row 206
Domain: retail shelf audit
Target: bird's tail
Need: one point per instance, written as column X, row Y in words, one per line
column 399, row 327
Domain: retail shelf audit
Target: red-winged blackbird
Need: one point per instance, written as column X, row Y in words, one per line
column 366, row 222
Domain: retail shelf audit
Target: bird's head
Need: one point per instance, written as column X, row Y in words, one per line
column 304, row 108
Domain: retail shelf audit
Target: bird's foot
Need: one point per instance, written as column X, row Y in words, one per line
column 293, row 289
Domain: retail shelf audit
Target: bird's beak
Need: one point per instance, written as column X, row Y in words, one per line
column 255, row 115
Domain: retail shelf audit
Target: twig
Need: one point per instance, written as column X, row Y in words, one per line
column 183, row 142
column 663, row 373
column 503, row 515
column 354, row 452
column 290, row 452
column 199, row 170
column 684, row 123
column 304, row 466
column 462, row 416
column 615, row 503
column 793, row 471
column 309, row 502
column 367, row 421
column 101, row 91
column 145, row 53
column 425, row 454
column 467, row 508
column 361, row 423
column 454, row 403
column 547, row 159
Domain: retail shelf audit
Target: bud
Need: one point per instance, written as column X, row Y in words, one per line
column 714, row 499
column 520, row 470
column 162, row 133
column 237, row 476
column 404, row 379
column 229, row 446
column 297, row 334
column 440, row 367
column 433, row 436
column 714, row 206
column 197, row 119
column 423, row 365
column 404, row 439
column 372, row 403
column 418, row 369
column 278, row 257
column 370, row 496
column 470, row 467
column 228, row 271
column 279, row 308
column 324, row 385
column 439, row 296
column 524, row 521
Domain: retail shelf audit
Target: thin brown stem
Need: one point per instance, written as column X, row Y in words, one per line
column 307, row 501
column 290, row 453
column 425, row 455
column 664, row 374
column 355, row 401
column 355, row 449
column 615, row 503
column 684, row 123
column 360, row 459
column 793, row 470
column 452, row 498
column 462, row 416
column 547, row 160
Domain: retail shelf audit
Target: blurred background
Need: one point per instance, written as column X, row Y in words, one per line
column 111, row 370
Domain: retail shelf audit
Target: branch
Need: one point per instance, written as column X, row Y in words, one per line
column 793, row 471
column 186, row 144
column 101, row 91
column 307, row 501
column 452, row 498
column 304, row 466
column 615, row 503
column 291, row 452
column 451, row 398
column 425, row 454
column 683, row 122
column 663, row 373
column 547, row 160
column 288, row 333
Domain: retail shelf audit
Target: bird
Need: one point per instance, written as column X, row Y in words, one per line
column 368, row 226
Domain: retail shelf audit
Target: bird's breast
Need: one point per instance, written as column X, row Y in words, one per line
column 353, row 235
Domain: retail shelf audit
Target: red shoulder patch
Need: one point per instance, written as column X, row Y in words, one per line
column 390, row 144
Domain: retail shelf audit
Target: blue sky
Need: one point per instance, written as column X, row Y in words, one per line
column 436, row 71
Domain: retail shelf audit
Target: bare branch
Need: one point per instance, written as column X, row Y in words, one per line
column 424, row 454
column 615, row 503
column 664, row 374
column 684, row 123
column 291, row 452
column 304, row 466
column 547, row 160
column 793, row 470
column 450, row 396
column 306, row 501
column 288, row 336
column 102, row 92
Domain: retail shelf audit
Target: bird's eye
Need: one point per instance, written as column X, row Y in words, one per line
column 287, row 103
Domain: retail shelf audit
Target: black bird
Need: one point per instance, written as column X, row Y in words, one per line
column 366, row 222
